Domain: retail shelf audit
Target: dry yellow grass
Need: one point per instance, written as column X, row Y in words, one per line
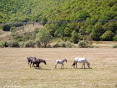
column 15, row 72
column 21, row 30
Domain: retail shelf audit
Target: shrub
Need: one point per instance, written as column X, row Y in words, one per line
column 59, row 44
column 107, row 35
column 69, row 45
column 83, row 44
column 74, row 38
column 64, row 44
column 13, row 29
column 29, row 43
column 38, row 43
column 115, row 38
column 43, row 37
column 21, row 44
column 67, row 32
column 97, row 31
column 17, row 37
column 36, row 30
column 13, row 43
column 3, row 44
column 115, row 46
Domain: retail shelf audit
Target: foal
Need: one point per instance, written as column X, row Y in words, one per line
column 81, row 60
column 60, row 62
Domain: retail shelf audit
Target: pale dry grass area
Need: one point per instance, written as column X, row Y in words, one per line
column 29, row 28
column 104, row 44
column 15, row 72
column 7, row 35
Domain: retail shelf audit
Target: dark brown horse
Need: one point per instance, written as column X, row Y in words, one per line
column 37, row 62
column 31, row 59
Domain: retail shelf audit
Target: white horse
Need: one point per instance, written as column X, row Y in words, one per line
column 81, row 60
column 60, row 62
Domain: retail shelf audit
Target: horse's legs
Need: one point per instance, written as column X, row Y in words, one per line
column 28, row 62
column 33, row 64
column 37, row 65
column 55, row 65
column 30, row 65
column 62, row 66
column 76, row 64
column 84, row 65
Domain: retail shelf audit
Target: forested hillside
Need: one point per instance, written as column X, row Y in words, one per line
column 26, row 10
column 99, row 17
column 85, row 10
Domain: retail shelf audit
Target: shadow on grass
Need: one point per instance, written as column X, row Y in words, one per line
column 60, row 68
column 39, row 68
column 83, row 68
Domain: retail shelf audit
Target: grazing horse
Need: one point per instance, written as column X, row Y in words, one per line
column 80, row 60
column 31, row 59
column 37, row 62
column 60, row 62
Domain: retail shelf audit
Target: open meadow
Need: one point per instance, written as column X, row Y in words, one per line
column 15, row 72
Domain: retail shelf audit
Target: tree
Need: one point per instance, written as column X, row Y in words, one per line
column 67, row 31
column 107, row 35
column 115, row 38
column 97, row 32
column 43, row 37
column 74, row 37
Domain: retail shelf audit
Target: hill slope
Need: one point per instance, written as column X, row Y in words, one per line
column 25, row 10
column 65, row 10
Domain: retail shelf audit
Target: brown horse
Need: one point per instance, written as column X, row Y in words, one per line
column 31, row 60
column 37, row 62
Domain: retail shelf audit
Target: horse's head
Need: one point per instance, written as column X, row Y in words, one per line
column 88, row 64
column 44, row 62
column 65, row 60
column 74, row 63
column 34, row 57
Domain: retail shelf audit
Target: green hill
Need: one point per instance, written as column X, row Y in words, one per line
column 96, row 13
column 25, row 10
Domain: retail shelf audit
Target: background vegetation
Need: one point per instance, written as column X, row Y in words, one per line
column 95, row 16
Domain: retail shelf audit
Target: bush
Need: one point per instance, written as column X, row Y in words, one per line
column 84, row 44
column 64, row 44
column 13, row 29
column 43, row 37
column 69, row 45
column 29, row 43
column 21, row 44
column 36, row 30
column 74, row 38
column 17, row 37
column 38, row 43
column 3, row 44
column 115, row 46
column 13, row 43
column 59, row 44
column 107, row 36
column 115, row 38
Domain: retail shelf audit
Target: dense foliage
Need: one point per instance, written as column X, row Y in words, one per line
column 94, row 12
column 43, row 37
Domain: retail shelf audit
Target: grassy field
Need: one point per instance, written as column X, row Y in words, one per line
column 15, row 72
